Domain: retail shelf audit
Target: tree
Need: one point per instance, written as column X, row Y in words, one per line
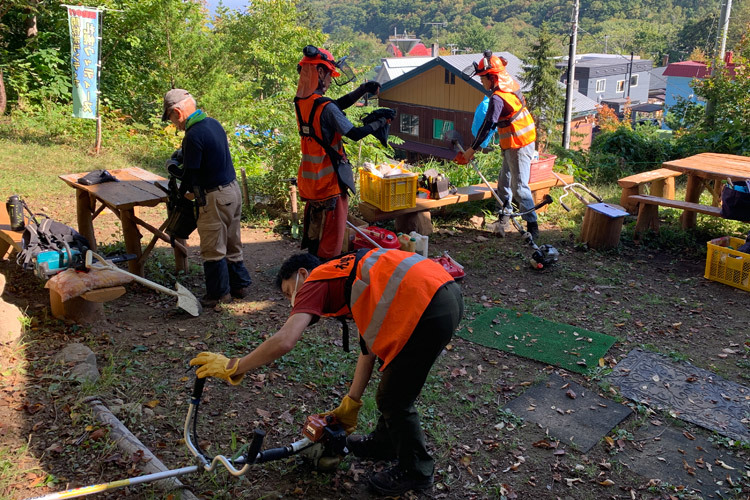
column 544, row 98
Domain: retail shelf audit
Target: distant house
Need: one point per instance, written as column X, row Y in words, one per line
column 433, row 98
column 680, row 76
column 393, row 67
column 611, row 79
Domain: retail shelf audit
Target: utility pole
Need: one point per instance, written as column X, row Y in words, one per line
column 630, row 73
column 571, row 78
column 721, row 41
column 726, row 9
column 433, row 29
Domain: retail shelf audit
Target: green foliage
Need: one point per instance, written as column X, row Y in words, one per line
column 544, row 98
column 685, row 114
column 727, row 128
column 639, row 149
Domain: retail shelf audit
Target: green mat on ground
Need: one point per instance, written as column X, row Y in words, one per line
column 529, row 336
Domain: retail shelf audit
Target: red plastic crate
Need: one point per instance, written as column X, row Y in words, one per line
column 541, row 169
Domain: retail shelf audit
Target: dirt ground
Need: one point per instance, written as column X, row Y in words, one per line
column 652, row 298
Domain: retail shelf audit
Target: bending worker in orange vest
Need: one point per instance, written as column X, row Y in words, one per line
column 517, row 134
column 324, row 174
column 406, row 308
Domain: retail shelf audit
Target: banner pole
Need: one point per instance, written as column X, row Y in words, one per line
column 98, row 144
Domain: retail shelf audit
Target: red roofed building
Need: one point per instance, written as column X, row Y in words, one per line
column 680, row 76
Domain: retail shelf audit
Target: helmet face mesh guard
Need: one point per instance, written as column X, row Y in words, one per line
column 340, row 70
column 488, row 65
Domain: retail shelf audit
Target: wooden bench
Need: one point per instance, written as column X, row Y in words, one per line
column 10, row 241
column 648, row 213
column 418, row 218
column 661, row 181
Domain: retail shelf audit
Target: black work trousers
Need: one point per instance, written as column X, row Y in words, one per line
column 403, row 378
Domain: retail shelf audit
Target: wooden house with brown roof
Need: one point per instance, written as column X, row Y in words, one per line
column 433, row 98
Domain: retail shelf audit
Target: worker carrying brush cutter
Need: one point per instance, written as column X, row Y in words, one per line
column 325, row 175
column 208, row 169
column 406, row 308
column 508, row 113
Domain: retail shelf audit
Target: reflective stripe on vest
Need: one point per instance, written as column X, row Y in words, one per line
column 391, row 291
column 316, row 177
column 521, row 130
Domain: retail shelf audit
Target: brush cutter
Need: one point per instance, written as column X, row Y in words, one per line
column 185, row 300
column 571, row 189
column 543, row 256
column 323, row 444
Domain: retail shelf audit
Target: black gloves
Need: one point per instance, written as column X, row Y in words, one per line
column 379, row 113
column 371, row 87
column 379, row 121
column 173, row 164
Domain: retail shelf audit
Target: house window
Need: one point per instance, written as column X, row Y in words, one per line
column 409, row 124
column 450, row 78
column 601, row 85
column 633, row 80
column 440, row 127
column 620, row 85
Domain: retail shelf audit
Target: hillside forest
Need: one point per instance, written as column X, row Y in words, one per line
column 241, row 65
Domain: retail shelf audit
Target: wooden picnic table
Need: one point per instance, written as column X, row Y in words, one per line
column 708, row 171
column 136, row 188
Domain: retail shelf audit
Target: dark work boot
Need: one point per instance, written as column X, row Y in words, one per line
column 397, row 481
column 369, row 446
column 533, row 228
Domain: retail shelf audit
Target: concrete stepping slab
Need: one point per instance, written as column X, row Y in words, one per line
column 683, row 459
column 685, row 391
column 570, row 412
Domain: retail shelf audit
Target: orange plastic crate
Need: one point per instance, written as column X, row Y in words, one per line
column 726, row 265
column 388, row 194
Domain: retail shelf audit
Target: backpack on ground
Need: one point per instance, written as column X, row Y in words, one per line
column 50, row 247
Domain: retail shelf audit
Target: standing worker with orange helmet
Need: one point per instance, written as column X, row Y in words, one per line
column 508, row 113
column 325, row 175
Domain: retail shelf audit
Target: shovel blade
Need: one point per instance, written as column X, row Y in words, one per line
column 187, row 301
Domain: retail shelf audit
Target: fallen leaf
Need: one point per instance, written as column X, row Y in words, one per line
column 570, row 394
column 607, row 482
column 688, row 435
column 723, row 464
column 98, row 434
column 152, row 404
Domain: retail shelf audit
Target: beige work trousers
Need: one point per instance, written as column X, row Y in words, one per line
column 219, row 224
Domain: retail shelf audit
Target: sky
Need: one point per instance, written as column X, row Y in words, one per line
column 232, row 4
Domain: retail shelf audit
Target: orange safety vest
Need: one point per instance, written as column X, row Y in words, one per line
column 388, row 292
column 518, row 129
column 316, row 177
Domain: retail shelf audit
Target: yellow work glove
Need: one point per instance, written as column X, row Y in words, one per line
column 215, row 365
column 347, row 413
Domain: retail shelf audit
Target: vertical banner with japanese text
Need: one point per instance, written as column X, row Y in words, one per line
column 84, row 60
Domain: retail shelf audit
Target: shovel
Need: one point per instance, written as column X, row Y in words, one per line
column 185, row 300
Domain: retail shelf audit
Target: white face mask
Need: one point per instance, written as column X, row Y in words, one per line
column 294, row 293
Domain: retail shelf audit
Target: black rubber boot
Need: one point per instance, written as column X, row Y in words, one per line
column 533, row 228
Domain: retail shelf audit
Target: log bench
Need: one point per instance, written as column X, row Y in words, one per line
column 661, row 184
column 418, row 218
column 10, row 241
column 648, row 210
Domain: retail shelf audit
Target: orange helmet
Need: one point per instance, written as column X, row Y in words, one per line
column 490, row 65
column 315, row 55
